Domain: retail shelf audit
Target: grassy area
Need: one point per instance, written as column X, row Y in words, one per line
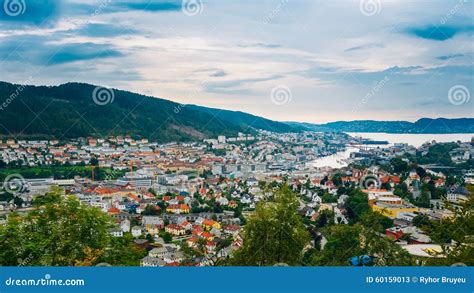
column 62, row 172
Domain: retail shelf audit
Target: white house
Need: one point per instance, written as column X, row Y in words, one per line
column 116, row 232
column 125, row 225
column 136, row 231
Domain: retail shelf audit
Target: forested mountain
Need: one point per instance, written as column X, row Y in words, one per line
column 244, row 119
column 77, row 110
column 424, row 125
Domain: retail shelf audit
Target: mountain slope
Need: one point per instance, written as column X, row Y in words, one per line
column 69, row 111
column 245, row 120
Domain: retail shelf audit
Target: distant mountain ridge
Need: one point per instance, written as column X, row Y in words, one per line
column 424, row 125
column 69, row 111
column 244, row 119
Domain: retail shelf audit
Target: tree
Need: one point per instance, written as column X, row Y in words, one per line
column 6, row 196
column 167, row 237
column 152, row 210
column 50, row 197
column 455, row 235
column 149, row 238
column 189, row 252
column 62, row 232
column 385, row 251
column 324, row 180
column 94, row 161
column 421, row 221
column 122, row 252
column 18, row 201
column 376, row 221
column 274, row 233
column 423, row 201
column 152, row 191
column 356, row 205
column 345, row 241
column 386, row 186
column 336, row 179
column 328, row 198
column 341, row 190
column 399, row 166
column 325, row 218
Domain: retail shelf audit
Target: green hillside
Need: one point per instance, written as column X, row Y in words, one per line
column 69, row 111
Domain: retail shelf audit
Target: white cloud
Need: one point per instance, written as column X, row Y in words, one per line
column 302, row 44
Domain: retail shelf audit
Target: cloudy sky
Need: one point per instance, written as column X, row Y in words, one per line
column 288, row 60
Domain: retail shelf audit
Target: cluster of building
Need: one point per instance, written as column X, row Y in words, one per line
column 170, row 197
column 382, row 154
column 267, row 151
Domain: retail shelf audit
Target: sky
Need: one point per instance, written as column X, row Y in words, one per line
column 287, row 60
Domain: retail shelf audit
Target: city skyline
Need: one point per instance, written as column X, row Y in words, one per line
column 148, row 134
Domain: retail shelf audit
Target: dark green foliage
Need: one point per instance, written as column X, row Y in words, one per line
column 69, row 111
column 328, row 198
column 274, row 233
column 423, row 201
column 63, row 172
column 454, row 235
column 167, row 237
column 49, row 198
column 399, row 166
column 422, row 221
column 64, row 232
column 344, row 241
column 356, row 205
column 325, row 218
column 6, row 196
column 437, row 154
column 376, row 221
